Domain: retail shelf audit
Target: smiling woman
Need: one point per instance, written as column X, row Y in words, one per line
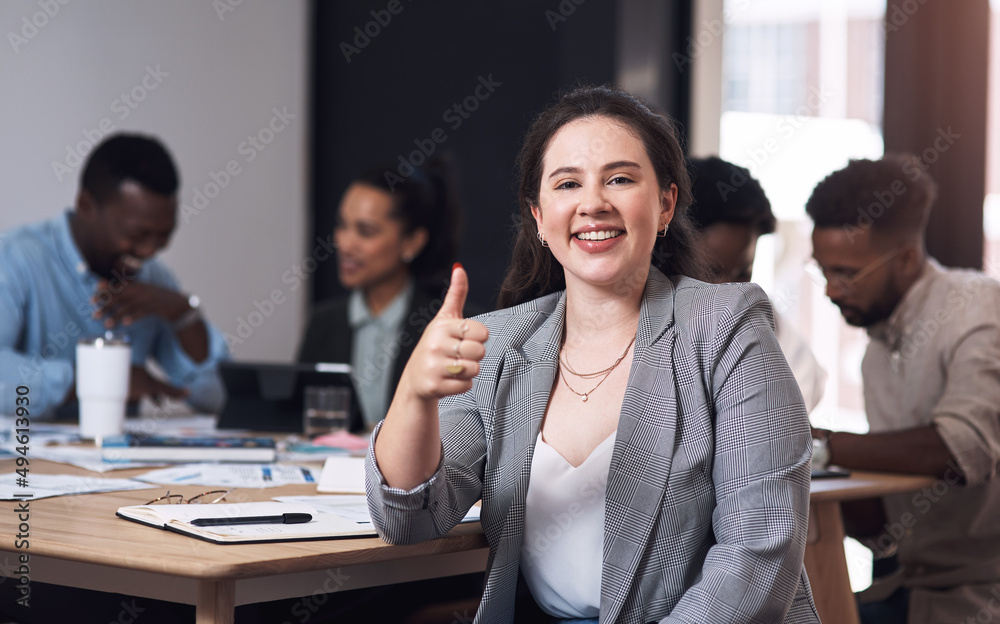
column 603, row 205
column 395, row 240
column 617, row 422
column 532, row 272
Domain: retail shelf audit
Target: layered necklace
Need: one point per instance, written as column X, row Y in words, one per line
column 603, row 374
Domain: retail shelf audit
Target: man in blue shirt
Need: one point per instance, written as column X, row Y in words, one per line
column 92, row 269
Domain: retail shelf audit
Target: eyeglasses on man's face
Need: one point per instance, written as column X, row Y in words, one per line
column 205, row 498
column 846, row 280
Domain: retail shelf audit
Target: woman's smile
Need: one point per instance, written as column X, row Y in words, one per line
column 598, row 241
column 600, row 202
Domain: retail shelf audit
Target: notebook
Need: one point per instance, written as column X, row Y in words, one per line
column 178, row 518
column 269, row 396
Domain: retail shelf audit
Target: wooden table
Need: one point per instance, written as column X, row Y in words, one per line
column 826, row 562
column 77, row 541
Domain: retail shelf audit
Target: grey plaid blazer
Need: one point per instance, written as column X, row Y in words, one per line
column 708, row 492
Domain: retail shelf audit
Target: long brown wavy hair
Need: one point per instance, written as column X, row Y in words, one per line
column 533, row 272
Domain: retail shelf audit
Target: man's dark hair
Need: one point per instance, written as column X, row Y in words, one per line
column 133, row 157
column 891, row 196
column 727, row 193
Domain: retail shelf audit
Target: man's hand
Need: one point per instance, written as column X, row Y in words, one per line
column 142, row 384
column 920, row 450
column 124, row 303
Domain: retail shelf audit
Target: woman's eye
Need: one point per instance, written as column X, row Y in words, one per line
column 620, row 180
column 568, row 185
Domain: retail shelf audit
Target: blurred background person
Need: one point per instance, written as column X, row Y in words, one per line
column 732, row 212
column 931, row 375
column 95, row 268
column 396, row 241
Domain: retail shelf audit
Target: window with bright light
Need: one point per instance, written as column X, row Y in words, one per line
column 802, row 90
column 802, row 94
column 991, row 207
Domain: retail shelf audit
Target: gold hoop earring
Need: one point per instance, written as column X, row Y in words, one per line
column 541, row 239
column 663, row 232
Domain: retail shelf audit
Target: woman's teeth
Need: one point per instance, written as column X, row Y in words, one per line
column 598, row 236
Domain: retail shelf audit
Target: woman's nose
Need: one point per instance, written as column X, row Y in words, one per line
column 593, row 199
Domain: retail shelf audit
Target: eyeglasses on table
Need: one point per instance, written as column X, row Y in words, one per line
column 205, row 498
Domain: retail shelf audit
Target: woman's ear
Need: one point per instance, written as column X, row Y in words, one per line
column 414, row 243
column 668, row 201
column 536, row 212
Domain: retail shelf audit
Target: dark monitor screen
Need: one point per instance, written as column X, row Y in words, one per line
column 269, row 396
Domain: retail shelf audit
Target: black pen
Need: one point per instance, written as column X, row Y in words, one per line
column 285, row 518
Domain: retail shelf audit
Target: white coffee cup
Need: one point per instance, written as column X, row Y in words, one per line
column 102, row 375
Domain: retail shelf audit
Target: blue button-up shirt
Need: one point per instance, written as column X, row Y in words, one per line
column 374, row 351
column 45, row 307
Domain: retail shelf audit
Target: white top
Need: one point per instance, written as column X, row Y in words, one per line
column 562, row 551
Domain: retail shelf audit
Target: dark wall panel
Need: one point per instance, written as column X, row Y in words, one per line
column 935, row 108
column 429, row 57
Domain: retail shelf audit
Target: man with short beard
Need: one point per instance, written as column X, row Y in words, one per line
column 931, row 387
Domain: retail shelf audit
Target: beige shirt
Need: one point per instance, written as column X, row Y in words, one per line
column 936, row 361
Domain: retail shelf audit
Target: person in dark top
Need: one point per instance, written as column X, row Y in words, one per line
column 731, row 211
column 396, row 242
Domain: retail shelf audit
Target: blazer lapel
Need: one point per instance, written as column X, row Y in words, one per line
column 536, row 360
column 541, row 351
column 644, row 447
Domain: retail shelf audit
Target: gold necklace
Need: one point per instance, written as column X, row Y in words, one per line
column 565, row 362
column 606, row 372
